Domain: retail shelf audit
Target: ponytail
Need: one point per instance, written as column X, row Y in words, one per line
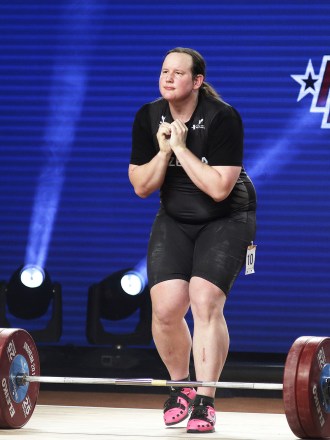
column 207, row 90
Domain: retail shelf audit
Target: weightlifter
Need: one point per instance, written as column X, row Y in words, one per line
column 189, row 145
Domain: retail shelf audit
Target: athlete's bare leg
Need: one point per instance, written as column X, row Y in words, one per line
column 170, row 303
column 211, row 338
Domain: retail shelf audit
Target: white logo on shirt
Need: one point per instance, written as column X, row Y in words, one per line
column 163, row 120
column 199, row 125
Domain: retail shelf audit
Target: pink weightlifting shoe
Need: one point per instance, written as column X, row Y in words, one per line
column 202, row 420
column 178, row 406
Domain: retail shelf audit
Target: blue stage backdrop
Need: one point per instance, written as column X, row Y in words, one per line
column 72, row 76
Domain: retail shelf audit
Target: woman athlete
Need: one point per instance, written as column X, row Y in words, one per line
column 189, row 145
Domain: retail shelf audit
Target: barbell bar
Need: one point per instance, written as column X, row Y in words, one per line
column 305, row 387
column 23, row 379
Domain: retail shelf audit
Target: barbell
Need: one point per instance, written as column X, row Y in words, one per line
column 306, row 383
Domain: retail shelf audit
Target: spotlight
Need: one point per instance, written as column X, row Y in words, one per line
column 132, row 283
column 28, row 296
column 32, row 276
column 119, row 310
column 29, row 292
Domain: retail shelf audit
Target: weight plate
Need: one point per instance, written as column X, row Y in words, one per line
column 18, row 354
column 18, row 366
column 290, row 386
column 311, row 403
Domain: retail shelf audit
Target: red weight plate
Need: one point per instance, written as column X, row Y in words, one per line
column 18, row 354
column 312, row 413
column 290, row 386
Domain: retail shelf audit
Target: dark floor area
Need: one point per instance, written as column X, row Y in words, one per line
column 154, row 401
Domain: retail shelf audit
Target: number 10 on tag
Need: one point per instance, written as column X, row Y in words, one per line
column 250, row 259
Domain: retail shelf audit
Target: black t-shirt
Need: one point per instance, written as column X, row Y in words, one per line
column 215, row 136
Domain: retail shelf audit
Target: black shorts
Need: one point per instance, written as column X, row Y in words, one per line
column 215, row 251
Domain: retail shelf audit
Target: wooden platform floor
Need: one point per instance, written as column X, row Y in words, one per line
column 107, row 416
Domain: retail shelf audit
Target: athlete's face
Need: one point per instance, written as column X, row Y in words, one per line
column 176, row 82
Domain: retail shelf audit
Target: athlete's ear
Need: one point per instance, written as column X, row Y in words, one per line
column 198, row 81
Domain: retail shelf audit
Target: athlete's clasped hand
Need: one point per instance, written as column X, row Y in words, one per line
column 163, row 137
column 172, row 136
column 179, row 132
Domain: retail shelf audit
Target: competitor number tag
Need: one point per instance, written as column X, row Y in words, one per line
column 250, row 259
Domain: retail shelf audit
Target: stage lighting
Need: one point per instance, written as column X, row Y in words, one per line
column 32, row 276
column 28, row 296
column 29, row 292
column 119, row 310
column 132, row 283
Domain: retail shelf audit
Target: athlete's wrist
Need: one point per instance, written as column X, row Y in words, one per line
column 177, row 149
column 165, row 154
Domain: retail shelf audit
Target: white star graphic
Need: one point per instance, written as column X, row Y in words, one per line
column 308, row 81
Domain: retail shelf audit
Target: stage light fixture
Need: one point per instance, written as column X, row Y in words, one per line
column 119, row 310
column 132, row 283
column 32, row 276
column 28, row 296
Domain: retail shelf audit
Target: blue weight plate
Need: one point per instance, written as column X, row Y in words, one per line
column 18, row 366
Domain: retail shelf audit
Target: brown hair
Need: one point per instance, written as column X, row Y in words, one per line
column 198, row 68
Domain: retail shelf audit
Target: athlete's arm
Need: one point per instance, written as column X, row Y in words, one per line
column 149, row 177
column 215, row 181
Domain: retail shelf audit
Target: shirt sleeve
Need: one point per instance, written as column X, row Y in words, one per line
column 143, row 149
column 225, row 142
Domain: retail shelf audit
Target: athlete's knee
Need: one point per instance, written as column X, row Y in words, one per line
column 207, row 301
column 170, row 302
column 167, row 314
